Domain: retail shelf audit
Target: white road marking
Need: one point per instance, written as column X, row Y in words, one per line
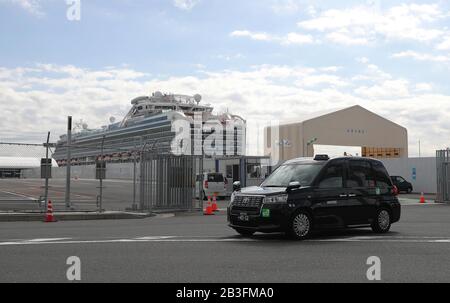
column 18, row 195
column 199, row 239
column 48, row 239
column 154, row 238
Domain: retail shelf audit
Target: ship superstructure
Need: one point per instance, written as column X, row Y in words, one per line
column 149, row 124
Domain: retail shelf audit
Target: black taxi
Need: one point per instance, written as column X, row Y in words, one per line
column 306, row 194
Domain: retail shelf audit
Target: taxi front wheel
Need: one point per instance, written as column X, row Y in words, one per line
column 300, row 226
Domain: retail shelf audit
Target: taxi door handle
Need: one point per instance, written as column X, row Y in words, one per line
column 343, row 196
column 352, row 195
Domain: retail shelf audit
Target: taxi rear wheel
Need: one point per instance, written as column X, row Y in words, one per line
column 382, row 222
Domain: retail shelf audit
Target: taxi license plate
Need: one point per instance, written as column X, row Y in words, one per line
column 243, row 217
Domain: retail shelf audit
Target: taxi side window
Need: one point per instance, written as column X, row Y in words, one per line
column 333, row 176
column 382, row 177
column 360, row 174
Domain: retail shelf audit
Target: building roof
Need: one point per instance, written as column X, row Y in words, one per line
column 22, row 162
column 334, row 111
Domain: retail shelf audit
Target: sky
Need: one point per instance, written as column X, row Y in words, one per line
column 266, row 60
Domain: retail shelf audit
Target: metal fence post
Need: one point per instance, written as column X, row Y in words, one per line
column 443, row 175
column 69, row 158
column 100, row 204
column 46, row 175
column 134, row 207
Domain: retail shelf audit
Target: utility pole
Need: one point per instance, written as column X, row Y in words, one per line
column 69, row 159
column 420, row 152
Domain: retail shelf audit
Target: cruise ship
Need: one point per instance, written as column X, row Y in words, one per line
column 149, row 124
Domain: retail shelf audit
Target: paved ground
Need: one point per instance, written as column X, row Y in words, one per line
column 189, row 248
column 18, row 193
column 21, row 194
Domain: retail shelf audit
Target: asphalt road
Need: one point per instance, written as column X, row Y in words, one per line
column 195, row 248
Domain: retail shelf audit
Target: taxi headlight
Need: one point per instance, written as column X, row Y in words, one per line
column 276, row 199
column 233, row 195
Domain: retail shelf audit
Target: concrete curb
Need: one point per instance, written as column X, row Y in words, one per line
column 72, row 216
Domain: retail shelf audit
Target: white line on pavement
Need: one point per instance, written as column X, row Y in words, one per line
column 17, row 195
column 47, row 239
column 172, row 239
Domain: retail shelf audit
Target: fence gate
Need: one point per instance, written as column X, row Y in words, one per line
column 443, row 175
column 167, row 182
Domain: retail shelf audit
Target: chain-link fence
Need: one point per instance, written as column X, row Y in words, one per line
column 99, row 176
column 169, row 182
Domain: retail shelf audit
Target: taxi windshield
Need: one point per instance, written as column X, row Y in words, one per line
column 285, row 174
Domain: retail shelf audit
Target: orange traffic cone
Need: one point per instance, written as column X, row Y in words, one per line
column 422, row 199
column 49, row 217
column 214, row 204
column 208, row 210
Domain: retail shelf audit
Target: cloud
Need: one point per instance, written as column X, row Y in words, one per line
column 445, row 44
column 363, row 60
column 360, row 25
column 421, row 56
column 323, row 79
column 38, row 98
column 230, row 57
column 423, row 87
column 258, row 36
column 286, row 6
column 31, row 6
column 346, row 38
column 389, row 89
column 289, row 39
column 295, row 38
column 185, row 4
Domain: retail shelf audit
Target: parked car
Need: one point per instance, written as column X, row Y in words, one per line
column 213, row 183
column 303, row 195
column 402, row 184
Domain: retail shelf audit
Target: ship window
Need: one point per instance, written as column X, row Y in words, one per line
column 140, row 108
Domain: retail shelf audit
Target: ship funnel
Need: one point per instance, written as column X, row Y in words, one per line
column 198, row 98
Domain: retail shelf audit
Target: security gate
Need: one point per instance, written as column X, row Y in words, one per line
column 443, row 175
column 167, row 181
